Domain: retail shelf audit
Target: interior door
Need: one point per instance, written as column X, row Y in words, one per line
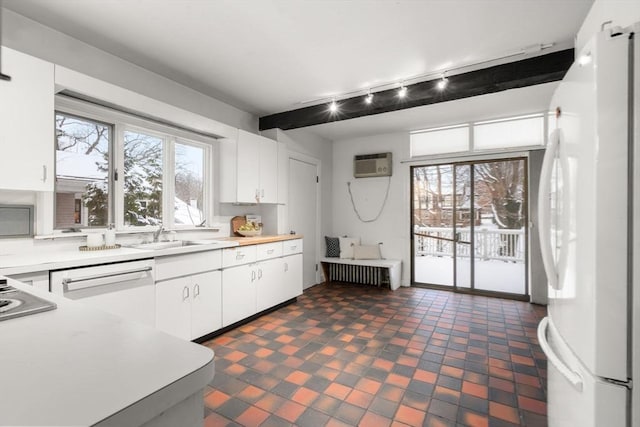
column 303, row 208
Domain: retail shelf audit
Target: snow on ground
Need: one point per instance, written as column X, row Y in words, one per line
column 491, row 275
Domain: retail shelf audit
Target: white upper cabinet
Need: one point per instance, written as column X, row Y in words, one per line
column 248, row 169
column 26, row 123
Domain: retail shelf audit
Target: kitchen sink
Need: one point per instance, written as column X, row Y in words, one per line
column 174, row 244
column 164, row 245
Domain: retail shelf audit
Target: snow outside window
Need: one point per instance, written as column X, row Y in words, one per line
column 143, row 173
column 189, row 184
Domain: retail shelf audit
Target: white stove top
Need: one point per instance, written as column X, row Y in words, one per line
column 16, row 303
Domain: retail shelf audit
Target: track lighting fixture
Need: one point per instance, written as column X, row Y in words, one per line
column 443, row 82
column 369, row 98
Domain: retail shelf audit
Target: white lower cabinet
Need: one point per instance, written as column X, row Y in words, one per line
column 270, row 285
column 190, row 307
column 292, row 281
column 264, row 279
column 238, row 293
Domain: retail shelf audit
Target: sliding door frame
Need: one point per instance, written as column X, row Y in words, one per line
column 471, row 162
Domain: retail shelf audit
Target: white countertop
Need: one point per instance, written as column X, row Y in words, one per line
column 79, row 366
column 27, row 262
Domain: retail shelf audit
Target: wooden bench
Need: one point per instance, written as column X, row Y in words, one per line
column 364, row 271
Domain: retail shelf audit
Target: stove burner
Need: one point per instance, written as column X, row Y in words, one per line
column 7, row 304
column 6, row 288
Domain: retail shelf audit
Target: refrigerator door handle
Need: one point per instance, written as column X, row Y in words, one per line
column 544, row 211
column 573, row 377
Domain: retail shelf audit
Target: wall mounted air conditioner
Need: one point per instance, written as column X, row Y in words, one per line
column 371, row 165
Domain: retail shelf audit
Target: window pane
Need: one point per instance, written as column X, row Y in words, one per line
column 142, row 179
column 189, row 200
column 439, row 141
column 82, row 172
column 512, row 133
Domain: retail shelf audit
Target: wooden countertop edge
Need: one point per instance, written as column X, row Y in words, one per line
column 257, row 240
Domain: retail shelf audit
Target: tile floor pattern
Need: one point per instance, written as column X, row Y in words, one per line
column 347, row 355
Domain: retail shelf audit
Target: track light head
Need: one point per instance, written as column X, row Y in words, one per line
column 333, row 107
column 369, row 98
column 442, row 83
column 402, row 92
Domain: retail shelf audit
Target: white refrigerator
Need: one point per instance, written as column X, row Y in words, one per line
column 589, row 209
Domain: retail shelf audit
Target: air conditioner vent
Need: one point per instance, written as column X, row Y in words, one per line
column 372, row 165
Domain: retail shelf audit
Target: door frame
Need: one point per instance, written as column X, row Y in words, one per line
column 472, row 160
column 294, row 155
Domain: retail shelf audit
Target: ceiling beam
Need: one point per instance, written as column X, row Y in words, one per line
column 527, row 72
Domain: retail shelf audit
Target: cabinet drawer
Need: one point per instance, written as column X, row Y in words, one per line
column 187, row 264
column 269, row 250
column 291, row 247
column 238, row 255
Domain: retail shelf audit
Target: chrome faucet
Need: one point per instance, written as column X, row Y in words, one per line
column 157, row 233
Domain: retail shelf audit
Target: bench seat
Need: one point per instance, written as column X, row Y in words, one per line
column 359, row 273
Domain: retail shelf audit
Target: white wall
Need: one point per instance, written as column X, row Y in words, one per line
column 621, row 12
column 35, row 39
column 392, row 228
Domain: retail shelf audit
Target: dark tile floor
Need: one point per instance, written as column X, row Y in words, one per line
column 352, row 355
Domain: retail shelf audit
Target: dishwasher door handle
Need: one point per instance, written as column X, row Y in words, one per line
column 74, row 284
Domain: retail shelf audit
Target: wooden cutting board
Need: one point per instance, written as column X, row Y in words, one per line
column 237, row 222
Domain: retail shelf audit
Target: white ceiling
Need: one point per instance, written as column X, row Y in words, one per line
column 267, row 56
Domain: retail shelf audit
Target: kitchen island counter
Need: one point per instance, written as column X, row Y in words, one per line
column 78, row 366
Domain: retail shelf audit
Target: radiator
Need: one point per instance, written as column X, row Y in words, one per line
column 362, row 274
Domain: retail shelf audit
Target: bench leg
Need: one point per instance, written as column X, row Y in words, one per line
column 325, row 271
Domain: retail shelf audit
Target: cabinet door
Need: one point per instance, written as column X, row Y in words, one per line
column 206, row 303
column 26, row 129
column 270, row 289
column 248, row 164
column 238, row 293
column 173, row 307
column 292, row 276
column 268, row 171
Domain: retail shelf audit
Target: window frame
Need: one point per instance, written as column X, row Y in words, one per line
column 121, row 122
column 471, row 148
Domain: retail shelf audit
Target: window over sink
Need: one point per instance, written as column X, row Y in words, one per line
column 114, row 167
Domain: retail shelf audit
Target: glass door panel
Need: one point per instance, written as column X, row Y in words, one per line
column 500, row 236
column 433, row 224
column 469, row 225
column 462, row 213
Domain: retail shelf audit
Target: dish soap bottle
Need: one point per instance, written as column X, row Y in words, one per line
column 110, row 236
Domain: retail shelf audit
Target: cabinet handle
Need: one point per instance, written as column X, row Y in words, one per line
column 293, row 248
column 253, row 275
column 44, row 173
column 286, row 266
column 239, row 255
column 270, row 251
column 257, row 195
column 196, row 290
column 260, row 274
column 262, row 193
column 185, row 293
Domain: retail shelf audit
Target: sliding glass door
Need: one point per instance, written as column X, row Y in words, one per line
column 469, row 226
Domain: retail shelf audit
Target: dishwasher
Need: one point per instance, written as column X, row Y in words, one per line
column 125, row 289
